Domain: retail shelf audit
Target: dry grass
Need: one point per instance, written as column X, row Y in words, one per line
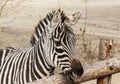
column 86, row 47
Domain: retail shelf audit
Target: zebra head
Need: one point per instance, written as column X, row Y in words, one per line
column 64, row 47
column 58, row 43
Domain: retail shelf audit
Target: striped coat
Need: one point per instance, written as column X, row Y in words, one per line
column 52, row 45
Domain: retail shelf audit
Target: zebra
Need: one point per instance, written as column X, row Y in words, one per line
column 52, row 45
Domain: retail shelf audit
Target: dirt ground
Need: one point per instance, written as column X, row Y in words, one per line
column 17, row 23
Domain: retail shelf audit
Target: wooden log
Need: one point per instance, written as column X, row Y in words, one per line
column 91, row 72
column 105, row 52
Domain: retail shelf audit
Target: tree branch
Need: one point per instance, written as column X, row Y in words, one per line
column 3, row 6
column 97, row 70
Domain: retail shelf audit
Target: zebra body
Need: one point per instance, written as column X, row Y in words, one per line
column 50, row 48
column 24, row 66
column 4, row 53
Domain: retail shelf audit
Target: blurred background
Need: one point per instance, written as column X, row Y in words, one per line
column 18, row 19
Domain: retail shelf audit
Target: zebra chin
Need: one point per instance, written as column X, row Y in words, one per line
column 73, row 76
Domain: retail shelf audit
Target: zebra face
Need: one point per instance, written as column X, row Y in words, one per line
column 65, row 41
column 64, row 48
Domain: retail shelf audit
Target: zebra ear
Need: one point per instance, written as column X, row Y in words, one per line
column 56, row 19
column 73, row 19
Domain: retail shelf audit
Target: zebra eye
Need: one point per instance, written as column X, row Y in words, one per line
column 74, row 74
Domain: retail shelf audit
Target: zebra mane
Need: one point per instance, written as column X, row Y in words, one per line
column 42, row 27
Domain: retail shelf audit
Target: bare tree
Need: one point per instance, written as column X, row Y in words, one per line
column 3, row 6
column 8, row 7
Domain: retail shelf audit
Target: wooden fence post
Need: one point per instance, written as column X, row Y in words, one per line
column 105, row 52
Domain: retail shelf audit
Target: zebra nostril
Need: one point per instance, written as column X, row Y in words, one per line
column 110, row 46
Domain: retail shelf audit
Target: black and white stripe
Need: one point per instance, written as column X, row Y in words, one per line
column 50, row 48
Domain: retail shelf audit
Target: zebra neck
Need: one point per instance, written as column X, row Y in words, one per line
column 48, row 47
column 42, row 51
